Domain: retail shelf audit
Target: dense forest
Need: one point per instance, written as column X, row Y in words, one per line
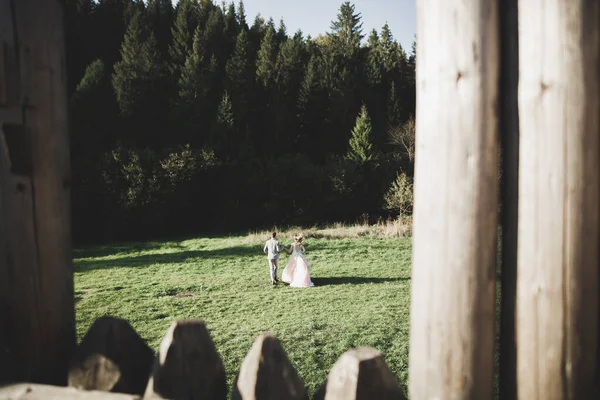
column 192, row 119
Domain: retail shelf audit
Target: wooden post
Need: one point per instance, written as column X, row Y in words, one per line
column 36, row 275
column 188, row 365
column 267, row 373
column 509, row 134
column 360, row 374
column 111, row 357
column 557, row 278
column 456, row 200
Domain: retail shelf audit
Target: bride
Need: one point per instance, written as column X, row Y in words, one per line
column 296, row 271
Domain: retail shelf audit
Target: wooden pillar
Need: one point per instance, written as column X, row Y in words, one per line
column 36, row 275
column 456, row 200
column 557, row 278
column 509, row 134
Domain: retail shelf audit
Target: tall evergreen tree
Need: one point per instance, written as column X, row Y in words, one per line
column 393, row 107
column 413, row 54
column 288, row 80
column 385, row 44
column 79, row 38
column 343, row 70
column 139, row 81
column 138, row 66
column 255, row 36
column 239, row 79
column 186, row 21
column 361, row 148
column 222, row 135
column 213, row 34
column 160, row 19
column 190, row 81
column 267, row 57
column 281, row 32
column 86, row 122
column 109, row 26
column 313, row 108
column 241, row 16
column 347, row 29
column 231, row 28
column 374, row 61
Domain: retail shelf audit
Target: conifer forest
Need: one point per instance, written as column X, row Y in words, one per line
column 194, row 118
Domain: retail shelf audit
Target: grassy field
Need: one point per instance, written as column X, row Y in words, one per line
column 361, row 296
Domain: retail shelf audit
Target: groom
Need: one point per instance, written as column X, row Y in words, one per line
column 272, row 249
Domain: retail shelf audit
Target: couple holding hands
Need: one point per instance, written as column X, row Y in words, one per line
column 296, row 271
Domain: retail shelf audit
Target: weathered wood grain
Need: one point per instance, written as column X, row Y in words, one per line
column 36, row 272
column 267, row 373
column 456, row 200
column 111, row 357
column 361, row 374
column 188, row 365
column 557, row 279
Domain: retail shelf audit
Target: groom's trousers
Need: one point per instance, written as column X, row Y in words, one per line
column 273, row 265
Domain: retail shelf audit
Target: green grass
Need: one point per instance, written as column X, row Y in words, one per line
column 361, row 297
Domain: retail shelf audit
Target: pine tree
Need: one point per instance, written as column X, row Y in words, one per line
column 281, row 32
column 213, row 34
column 413, row 54
column 347, row 29
column 374, row 60
column 393, row 106
column 140, row 64
column 255, row 36
column 189, row 83
column 267, row 57
column 110, row 24
column 288, row 80
column 361, row 149
column 239, row 79
column 231, row 29
column 186, row 21
column 225, row 113
column 313, row 109
column 79, row 38
column 160, row 19
column 289, row 67
column 222, row 136
column 84, row 108
column 241, row 16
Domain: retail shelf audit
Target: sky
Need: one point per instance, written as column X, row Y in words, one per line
column 314, row 16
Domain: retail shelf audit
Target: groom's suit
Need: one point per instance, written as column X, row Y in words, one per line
column 272, row 249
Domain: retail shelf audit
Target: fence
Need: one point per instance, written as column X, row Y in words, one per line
column 113, row 358
column 522, row 76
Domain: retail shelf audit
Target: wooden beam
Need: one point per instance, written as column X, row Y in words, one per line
column 557, row 278
column 456, row 199
column 36, row 275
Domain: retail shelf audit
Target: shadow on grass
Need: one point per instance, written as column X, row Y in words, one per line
column 168, row 258
column 110, row 250
column 353, row 280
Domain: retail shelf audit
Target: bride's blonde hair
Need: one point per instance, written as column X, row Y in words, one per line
column 299, row 237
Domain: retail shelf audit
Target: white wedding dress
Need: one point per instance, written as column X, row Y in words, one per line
column 296, row 271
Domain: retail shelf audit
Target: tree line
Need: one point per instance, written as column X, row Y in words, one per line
column 188, row 119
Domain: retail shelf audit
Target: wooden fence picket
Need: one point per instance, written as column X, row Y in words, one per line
column 187, row 365
column 111, row 357
column 267, row 373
